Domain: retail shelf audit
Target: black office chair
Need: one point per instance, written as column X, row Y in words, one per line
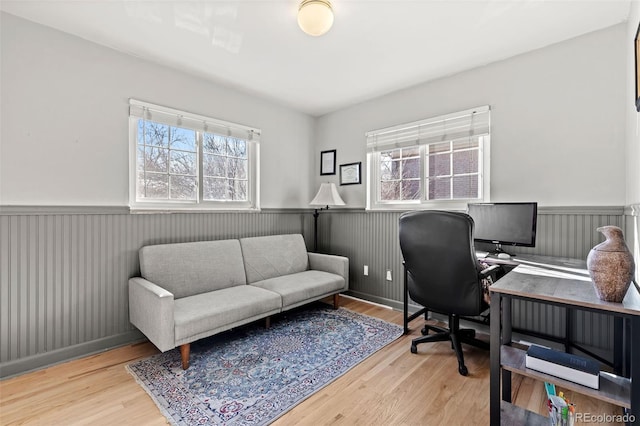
column 442, row 275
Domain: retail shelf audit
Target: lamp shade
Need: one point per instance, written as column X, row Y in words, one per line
column 315, row 17
column 327, row 196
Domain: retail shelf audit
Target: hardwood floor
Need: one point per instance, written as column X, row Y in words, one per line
column 392, row 387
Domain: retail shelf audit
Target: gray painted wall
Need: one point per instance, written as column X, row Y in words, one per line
column 64, row 273
column 371, row 238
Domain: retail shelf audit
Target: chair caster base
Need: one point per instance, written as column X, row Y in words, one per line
column 414, row 349
column 424, row 331
column 463, row 370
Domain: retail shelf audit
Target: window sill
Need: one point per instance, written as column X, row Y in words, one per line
column 171, row 210
column 434, row 205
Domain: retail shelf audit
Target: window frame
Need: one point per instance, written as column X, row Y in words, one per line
column 208, row 123
column 373, row 186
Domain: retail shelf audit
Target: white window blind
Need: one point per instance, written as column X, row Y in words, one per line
column 463, row 124
column 174, row 117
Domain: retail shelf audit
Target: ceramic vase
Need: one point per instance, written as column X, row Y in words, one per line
column 611, row 265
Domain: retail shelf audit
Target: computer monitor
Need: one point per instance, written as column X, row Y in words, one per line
column 501, row 224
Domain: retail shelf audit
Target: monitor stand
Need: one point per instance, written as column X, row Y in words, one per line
column 498, row 249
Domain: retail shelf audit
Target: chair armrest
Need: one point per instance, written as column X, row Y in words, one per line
column 338, row 265
column 489, row 271
column 151, row 311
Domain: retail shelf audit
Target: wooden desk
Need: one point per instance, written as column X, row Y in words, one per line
column 566, row 283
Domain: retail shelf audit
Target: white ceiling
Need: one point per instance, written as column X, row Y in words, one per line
column 375, row 46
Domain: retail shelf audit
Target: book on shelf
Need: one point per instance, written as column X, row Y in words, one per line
column 571, row 367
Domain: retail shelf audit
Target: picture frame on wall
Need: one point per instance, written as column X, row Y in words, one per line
column 637, row 49
column 328, row 162
column 350, row 174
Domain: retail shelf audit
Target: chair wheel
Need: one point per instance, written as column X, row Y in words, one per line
column 424, row 331
column 463, row 370
column 414, row 349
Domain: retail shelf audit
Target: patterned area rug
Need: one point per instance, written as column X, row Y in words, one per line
column 253, row 375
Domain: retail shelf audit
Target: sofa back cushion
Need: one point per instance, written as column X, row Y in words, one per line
column 187, row 269
column 273, row 256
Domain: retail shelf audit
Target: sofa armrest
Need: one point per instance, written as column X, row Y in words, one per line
column 151, row 311
column 330, row 263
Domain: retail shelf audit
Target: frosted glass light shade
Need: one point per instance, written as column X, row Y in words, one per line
column 327, row 196
column 315, row 17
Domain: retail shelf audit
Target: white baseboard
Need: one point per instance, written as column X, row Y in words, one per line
column 366, row 301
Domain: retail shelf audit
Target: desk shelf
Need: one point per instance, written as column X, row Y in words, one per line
column 564, row 284
column 613, row 389
column 513, row 415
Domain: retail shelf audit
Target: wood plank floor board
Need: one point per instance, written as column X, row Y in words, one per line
column 391, row 387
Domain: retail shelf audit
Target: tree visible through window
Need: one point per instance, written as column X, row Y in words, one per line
column 192, row 159
column 167, row 162
column 225, row 168
column 400, row 174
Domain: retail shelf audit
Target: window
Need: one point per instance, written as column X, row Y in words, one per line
column 185, row 161
column 439, row 161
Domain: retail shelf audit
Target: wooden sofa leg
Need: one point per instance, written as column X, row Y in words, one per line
column 184, row 354
column 267, row 322
column 336, row 301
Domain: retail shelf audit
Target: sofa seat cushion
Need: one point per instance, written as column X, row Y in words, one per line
column 209, row 313
column 302, row 286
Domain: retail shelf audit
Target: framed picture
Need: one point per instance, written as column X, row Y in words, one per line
column 637, row 45
column 328, row 162
column 350, row 174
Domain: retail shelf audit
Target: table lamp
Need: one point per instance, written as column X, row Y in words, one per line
column 327, row 196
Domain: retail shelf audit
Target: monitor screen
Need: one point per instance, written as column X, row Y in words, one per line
column 505, row 223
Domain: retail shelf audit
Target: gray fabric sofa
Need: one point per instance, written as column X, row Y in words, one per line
column 189, row 291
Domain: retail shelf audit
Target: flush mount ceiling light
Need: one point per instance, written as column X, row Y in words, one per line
column 315, row 17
